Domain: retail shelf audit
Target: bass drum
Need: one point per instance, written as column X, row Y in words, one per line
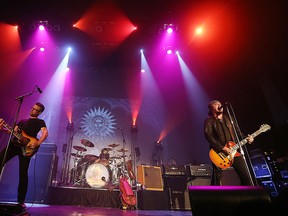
column 97, row 175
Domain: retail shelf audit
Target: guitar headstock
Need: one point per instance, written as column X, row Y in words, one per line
column 265, row 127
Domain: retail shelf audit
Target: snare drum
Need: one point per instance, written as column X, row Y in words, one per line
column 97, row 175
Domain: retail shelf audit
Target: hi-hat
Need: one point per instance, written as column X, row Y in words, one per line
column 79, row 148
column 87, row 143
column 123, row 150
column 113, row 145
column 90, row 157
column 76, row 155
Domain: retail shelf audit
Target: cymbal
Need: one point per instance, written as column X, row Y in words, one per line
column 76, row 155
column 90, row 157
column 109, row 149
column 113, row 145
column 123, row 150
column 115, row 158
column 87, row 143
column 79, row 148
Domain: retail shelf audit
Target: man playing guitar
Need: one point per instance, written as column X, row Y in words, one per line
column 24, row 144
column 218, row 132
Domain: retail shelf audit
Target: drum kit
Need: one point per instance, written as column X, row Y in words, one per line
column 99, row 171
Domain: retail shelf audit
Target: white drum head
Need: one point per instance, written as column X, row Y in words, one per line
column 97, row 175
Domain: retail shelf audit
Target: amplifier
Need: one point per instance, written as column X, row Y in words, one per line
column 201, row 170
column 174, row 170
column 150, row 177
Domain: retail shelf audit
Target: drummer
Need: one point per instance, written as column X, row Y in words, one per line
column 104, row 157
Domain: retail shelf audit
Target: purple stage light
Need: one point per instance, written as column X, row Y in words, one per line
column 169, row 30
column 41, row 27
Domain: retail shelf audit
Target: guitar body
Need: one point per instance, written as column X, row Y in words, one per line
column 24, row 142
column 223, row 160
column 127, row 196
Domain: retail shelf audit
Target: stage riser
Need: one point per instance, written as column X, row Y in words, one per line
column 83, row 197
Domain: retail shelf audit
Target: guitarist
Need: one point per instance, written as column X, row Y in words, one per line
column 31, row 126
column 218, row 131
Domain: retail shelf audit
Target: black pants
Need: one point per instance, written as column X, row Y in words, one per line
column 24, row 162
column 240, row 168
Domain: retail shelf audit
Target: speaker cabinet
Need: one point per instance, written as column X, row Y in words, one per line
column 40, row 176
column 177, row 188
column 261, row 168
column 231, row 200
column 153, row 200
column 42, row 166
column 199, row 180
column 150, row 177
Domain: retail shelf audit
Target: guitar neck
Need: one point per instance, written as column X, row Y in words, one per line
column 10, row 129
column 244, row 141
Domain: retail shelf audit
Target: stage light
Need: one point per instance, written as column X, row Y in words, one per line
column 168, row 28
column 41, row 27
column 42, row 49
column 199, row 31
column 70, row 126
column 169, row 50
column 134, row 128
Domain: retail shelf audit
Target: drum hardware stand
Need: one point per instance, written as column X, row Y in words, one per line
column 66, row 163
column 134, row 132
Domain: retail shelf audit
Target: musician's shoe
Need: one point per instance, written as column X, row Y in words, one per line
column 22, row 205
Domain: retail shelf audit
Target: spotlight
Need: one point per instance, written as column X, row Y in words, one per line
column 70, row 126
column 170, row 28
column 134, row 128
column 169, row 50
column 41, row 27
column 56, row 28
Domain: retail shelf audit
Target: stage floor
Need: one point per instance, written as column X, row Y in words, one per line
column 52, row 210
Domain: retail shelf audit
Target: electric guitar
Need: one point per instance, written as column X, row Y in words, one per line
column 224, row 160
column 23, row 140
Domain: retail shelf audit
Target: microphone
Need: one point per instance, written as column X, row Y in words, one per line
column 38, row 89
column 221, row 107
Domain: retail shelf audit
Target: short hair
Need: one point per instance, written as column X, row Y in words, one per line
column 42, row 107
column 210, row 106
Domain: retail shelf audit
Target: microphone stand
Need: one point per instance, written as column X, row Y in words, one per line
column 231, row 117
column 20, row 102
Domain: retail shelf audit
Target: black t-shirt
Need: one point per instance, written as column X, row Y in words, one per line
column 31, row 126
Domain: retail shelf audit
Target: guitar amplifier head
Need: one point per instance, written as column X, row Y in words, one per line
column 174, row 170
column 201, row 170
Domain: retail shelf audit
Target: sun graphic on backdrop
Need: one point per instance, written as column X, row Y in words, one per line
column 98, row 123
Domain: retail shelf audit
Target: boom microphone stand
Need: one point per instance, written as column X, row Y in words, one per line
column 235, row 124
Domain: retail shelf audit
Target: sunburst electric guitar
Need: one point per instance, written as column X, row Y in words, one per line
column 23, row 140
column 224, row 160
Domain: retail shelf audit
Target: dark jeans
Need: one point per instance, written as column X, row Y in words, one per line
column 240, row 168
column 23, row 168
